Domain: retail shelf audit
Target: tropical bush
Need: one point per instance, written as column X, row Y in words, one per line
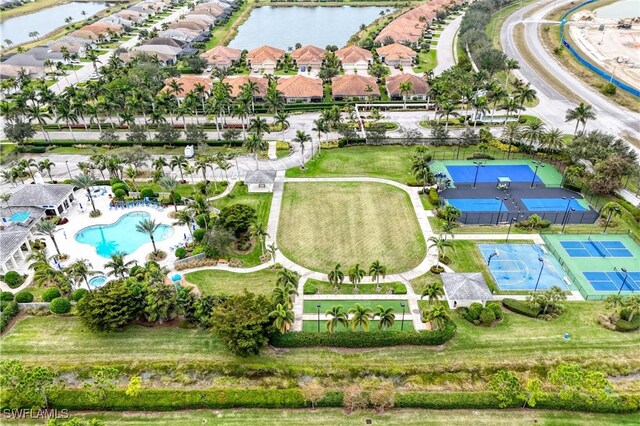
column 119, row 193
column 434, row 199
column 78, row 294
column 24, row 297
column 118, row 186
column 60, row 305
column 181, row 253
column 310, row 288
column 399, row 288
column 6, row 296
column 147, row 193
column 521, row 307
column 8, row 312
column 13, row 279
column 49, row 294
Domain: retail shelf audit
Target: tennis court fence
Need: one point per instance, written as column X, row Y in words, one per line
column 485, row 218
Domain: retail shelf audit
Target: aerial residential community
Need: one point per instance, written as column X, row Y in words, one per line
column 314, row 212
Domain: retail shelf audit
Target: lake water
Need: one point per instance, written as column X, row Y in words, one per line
column 620, row 9
column 46, row 20
column 283, row 27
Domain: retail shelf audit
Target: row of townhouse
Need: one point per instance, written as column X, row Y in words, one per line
column 177, row 39
column 34, row 61
column 300, row 88
column 266, row 58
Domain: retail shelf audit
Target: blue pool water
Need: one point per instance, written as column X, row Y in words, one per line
column 490, row 174
column 97, row 281
column 121, row 236
column 516, row 267
column 477, row 204
column 19, row 216
column 551, row 204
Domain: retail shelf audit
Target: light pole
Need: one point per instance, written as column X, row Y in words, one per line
column 606, row 225
column 500, row 208
column 513, row 219
column 541, row 260
column 491, row 256
column 566, row 210
column 535, row 173
column 402, row 305
column 567, row 219
column 318, row 306
column 478, row 165
column 626, row 274
column 66, row 162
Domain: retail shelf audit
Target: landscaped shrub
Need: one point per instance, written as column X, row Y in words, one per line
column 24, row 297
column 198, row 234
column 78, row 294
column 624, row 325
column 198, row 249
column 147, row 193
column 434, row 199
column 399, row 288
column 310, row 288
column 181, row 253
column 49, row 294
column 497, row 310
column 487, row 316
column 8, row 312
column 60, row 305
column 6, row 296
column 115, row 181
column 521, row 307
column 120, row 193
column 13, row 279
column 117, row 186
column 370, row 339
column 474, row 311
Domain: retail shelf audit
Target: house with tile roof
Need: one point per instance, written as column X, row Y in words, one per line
column 354, row 86
column 188, row 84
column 222, row 56
column 354, row 58
column 419, row 87
column 264, row 58
column 236, row 84
column 396, row 55
column 299, row 88
column 308, row 57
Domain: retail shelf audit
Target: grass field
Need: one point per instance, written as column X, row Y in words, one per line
column 327, row 416
column 523, row 343
column 322, row 224
column 310, row 306
column 325, row 287
column 212, row 281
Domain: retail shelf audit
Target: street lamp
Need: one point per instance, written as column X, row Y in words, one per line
column 626, row 274
column 500, row 208
column 535, row 173
column 541, row 260
column 478, row 165
column 66, row 162
column 567, row 219
column 318, row 306
column 513, row 219
column 402, row 305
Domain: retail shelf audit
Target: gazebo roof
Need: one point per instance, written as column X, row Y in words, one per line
column 465, row 286
column 260, row 177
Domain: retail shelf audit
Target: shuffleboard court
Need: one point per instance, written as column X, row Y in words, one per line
column 591, row 248
column 552, row 204
column 613, row 280
column 491, row 173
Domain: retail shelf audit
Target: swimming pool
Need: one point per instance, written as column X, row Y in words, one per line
column 121, row 236
column 551, row 205
column 97, row 281
column 19, row 216
column 477, row 204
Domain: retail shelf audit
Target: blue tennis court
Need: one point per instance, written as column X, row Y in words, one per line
column 591, row 248
column 490, row 174
column 611, row 281
column 477, row 204
column 551, row 204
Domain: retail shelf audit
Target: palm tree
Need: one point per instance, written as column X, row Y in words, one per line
column 581, row 114
column 534, row 133
column 301, row 138
column 118, row 266
column 360, row 317
column 184, row 217
column 260, row 231
column 281, row 119
column 337, row 316
column 376, row 270
column 241, row 110
column 282, row 317
column 48, row 228
column 553, row 140
column 254, row 144
column 284, row 292
column 336, row 276
column 180, row 162
column 169, row 184
column 47, row 165
column 632, row 304
column 613, row 301
column 448, row 109
column 85, row 182
column 610, row 210
column 510, row 64
column 355, row 275
column 258, row 126
column 437, row 316
column 433, row 291
column 525, row 94
column 405, row 88
column 511, row 133
column 148, row 226
column 387, row 317
column 440, row 245
column 81, row 270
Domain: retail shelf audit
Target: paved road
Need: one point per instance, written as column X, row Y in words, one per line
column 444, row 48
column 553, row 105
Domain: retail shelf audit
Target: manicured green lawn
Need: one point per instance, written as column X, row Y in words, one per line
column 213, row 281
column 322, row 224
column 309, row 325
column 516, row 341
column 336, row 416
column 185, row 190
column 427, row 60
column 325, row 287
column 311, row 306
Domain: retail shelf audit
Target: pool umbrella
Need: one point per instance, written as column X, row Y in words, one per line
column 185, row 235
column 81, row 208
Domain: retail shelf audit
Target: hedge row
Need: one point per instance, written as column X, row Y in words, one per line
column 521, row 307
column 370, row 339
column 177, row 399
column 624, row 325
column 66, row 143
column 10, row 310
